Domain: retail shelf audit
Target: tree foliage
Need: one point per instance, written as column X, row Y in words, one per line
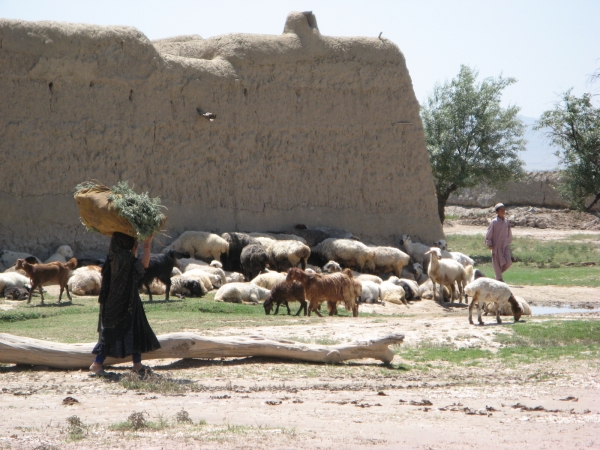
column 574, row 126
column 470, row 137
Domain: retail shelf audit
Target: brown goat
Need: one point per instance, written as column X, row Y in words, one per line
column 45, row 274
column 330, row 288
column 283, row 293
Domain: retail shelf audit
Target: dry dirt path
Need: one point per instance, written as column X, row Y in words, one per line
column 320, row 406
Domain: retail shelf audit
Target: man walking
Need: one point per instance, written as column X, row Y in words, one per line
column 497, row 239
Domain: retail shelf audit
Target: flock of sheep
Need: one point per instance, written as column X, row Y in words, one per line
column 309, row 266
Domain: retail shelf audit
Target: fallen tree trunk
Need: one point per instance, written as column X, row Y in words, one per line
column 23, row 350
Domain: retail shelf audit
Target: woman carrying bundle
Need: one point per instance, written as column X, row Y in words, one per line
column 122, row 325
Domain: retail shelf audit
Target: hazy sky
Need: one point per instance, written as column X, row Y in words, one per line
column 548, row 46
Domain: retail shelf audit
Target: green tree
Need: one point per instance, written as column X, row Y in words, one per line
column 470, row 137
column 574, row 126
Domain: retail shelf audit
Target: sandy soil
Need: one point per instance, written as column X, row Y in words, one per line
column 262, row 403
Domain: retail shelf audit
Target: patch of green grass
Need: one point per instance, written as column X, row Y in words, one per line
column 520, row 274
column 428, row 351
column 529, row 251
column 528, row 342
column 452, row 216
column 583, row 237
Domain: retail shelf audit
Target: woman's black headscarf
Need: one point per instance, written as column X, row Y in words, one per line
column 119, row 286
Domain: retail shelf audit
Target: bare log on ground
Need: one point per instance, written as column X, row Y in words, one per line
column 23, row 350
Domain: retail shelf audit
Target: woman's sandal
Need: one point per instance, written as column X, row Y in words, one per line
column 144, row 371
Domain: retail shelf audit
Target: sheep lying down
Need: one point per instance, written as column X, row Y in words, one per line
column 506, row 310
column 247, row 293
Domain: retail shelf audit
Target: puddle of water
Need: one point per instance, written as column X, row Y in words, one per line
column 541, row 310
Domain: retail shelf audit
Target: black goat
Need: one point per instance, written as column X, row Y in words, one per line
column 253, row 260
column 237, row 242
column 160, row 267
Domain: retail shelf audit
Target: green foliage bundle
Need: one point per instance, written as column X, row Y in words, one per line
column 470, row 138
column 142, row 212
column 574, row 126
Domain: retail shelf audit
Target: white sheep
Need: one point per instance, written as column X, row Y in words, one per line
column 284, row 255
column 486, row 290
column 62, row 254
column 347, row 252
column 9, row 258
column 187, row 286
column 157, row 287
column 86, row 280
column 241, row 293
column 370, row 293
column 207, row 279
column 278, row 236
column 446, row 272
column 418, row 252
column 210, row 270
column 200, row 244
column 268, row 280
column 393, row 293
column 411, row 287
column 388, row 259
column 184, row 262
column 234, row 277
column 367, row 277
column 175, row 272
column 13, row 279
column 456, row 256
column 332, row 267
column 506, row 310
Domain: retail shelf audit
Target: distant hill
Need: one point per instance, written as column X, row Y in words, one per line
column 539, row 155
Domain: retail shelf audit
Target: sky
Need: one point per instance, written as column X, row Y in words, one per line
column 549, row 46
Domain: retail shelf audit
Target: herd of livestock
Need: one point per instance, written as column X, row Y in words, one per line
column 308, row 266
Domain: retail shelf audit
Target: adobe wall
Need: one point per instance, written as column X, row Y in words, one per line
column 310, row 129
column 536, row 189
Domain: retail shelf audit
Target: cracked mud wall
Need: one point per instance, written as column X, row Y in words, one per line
column 310, row 129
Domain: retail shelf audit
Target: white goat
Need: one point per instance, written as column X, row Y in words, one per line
column 418, row 252
column 446, row 272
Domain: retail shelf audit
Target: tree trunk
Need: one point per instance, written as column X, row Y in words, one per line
column 22, row 350
column 589, row 208
column 442, row 199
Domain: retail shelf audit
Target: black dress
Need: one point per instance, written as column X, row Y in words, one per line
column 122, row 325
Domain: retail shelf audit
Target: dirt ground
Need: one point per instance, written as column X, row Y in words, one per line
column 265, row 404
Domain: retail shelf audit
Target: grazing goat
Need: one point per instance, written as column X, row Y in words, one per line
column 485, row 290
column 45, row 274
column 285, row 292
column 334, row 288
column 159, row 267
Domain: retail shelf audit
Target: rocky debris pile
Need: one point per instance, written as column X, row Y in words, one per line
column 525, row 216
